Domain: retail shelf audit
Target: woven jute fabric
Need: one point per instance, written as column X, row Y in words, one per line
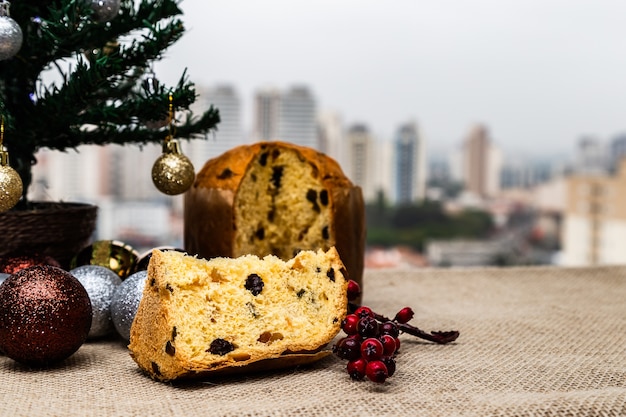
column 534, row 342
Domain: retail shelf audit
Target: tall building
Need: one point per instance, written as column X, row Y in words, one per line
column 520, row 173
column 361, row 160
column 481, row 163
column 267, row 104
column 298, row 117
column 617, row 150
column 594, row 221
column 331, row 136
column 289, row 116
column 229, row 132
column 591, row 157
column 410, row 166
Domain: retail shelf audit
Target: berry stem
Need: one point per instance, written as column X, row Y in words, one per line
column 436, row 336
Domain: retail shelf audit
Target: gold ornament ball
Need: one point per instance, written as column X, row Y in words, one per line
column 117, row 256
column 11, row 187
column 173, row 173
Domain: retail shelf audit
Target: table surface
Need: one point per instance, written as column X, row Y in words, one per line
column 541, row 341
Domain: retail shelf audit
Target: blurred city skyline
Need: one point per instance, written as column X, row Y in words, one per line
column 540, row 75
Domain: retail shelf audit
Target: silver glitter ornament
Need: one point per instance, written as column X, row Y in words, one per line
column 125, row 302
column 11, row 36
column 100, row 283
column 105, row 10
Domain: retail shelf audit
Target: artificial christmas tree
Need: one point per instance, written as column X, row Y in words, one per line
column 102, row 52
column 75, row 72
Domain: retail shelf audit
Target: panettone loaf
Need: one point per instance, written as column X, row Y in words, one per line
column 275, row 198
column 198, row 316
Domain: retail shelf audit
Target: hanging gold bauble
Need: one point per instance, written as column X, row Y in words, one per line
column 172, row 173
column 11, row 186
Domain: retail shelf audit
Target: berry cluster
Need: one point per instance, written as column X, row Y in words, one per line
column 372, row 340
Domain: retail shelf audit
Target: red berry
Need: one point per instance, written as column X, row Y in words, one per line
column 404, row 315
column 349, row 324
column 347, row 348
column 376, row 371
column 356, row 368
column 371, row 349
column 367, row 327
column 389, row 344
column 397, row 345
column 363, row 311
column 354, row 290
column 390, row 328
column 356, row 337
column 390, row 363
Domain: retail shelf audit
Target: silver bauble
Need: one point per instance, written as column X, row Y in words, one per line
column 125, row 302
column 100, row 283
column 105, row 10
column 10, row 37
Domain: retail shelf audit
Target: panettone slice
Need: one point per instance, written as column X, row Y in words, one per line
column 198, row 316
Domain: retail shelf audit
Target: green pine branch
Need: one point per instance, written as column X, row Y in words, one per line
column 98, row 96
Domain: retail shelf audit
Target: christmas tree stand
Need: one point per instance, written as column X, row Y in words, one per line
column 59, row 230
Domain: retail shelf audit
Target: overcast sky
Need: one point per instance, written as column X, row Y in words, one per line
column 539, row 73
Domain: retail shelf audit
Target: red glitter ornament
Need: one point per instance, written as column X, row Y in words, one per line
column 13, row 263
column 45, row 314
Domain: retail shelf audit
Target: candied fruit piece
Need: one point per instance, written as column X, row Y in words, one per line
column 269, row 337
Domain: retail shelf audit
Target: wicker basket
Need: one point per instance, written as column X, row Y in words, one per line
column 59, row 230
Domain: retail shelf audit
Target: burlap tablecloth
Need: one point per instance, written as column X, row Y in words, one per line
column 534, row 342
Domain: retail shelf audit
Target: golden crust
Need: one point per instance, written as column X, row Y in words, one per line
column 188, row 304
column 226, row 171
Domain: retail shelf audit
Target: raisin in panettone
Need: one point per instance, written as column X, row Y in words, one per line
column 200, row 316
column 275, row 198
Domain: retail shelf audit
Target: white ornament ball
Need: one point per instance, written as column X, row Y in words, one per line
column 126, row 302
column 10, row 37
column 3, row 276
column 105, row 10
column 100, row 283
